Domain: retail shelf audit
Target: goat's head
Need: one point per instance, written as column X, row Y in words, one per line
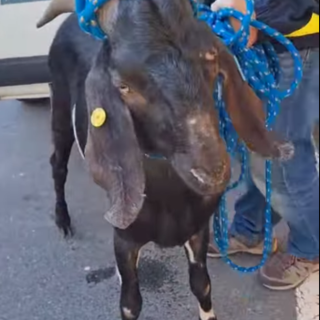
column 155, row 77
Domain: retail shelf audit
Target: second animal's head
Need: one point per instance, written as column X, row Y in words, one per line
column 155, row 78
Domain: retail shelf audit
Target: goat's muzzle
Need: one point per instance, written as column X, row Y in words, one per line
column 205, row 164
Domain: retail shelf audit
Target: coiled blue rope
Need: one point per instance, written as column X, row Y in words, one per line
column 260, row 67
column 88, row 21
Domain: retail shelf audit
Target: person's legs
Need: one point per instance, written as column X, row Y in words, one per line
column 296, row 182
column 295, row 185
column 249, row 221
column 247, row 230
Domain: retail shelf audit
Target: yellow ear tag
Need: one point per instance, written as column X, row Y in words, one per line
column 98, row 117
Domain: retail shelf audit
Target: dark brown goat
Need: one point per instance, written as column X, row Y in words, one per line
column 154, row 78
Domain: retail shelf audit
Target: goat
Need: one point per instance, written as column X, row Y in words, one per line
column 154, row 78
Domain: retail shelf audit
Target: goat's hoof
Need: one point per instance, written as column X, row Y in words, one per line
column 63, row 220
column 67, row 232
column 65, row 228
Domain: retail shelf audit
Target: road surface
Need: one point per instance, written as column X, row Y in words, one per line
column 44, row 277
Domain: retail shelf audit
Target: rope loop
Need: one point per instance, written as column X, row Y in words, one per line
column 87, row 17
column 260, row 67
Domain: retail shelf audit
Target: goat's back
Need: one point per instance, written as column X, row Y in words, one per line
column 71, row 56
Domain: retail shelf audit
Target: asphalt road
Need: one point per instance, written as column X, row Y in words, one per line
column 44, row 277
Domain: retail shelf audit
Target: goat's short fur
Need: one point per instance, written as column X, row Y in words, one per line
column 160, row 202
column 172, row 214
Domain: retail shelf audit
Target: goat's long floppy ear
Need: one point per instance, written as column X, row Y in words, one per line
column 247, row 112
column 112, row 152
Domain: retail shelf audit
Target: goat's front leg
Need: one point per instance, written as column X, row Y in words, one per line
column 127, row 256
column 196, row 249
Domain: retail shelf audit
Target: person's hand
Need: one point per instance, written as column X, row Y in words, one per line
column 239, row 5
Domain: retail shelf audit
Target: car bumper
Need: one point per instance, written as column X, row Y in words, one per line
column 23, row 78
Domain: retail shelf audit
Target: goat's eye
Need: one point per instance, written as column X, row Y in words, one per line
column 124, row 89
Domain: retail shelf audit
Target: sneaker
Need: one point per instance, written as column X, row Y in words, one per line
column 235, row 246
column 286, row 272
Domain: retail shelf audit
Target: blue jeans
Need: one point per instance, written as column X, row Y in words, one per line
column 296, row 182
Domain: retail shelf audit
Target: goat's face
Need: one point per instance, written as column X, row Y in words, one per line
column 163, row 64
column 155, row 79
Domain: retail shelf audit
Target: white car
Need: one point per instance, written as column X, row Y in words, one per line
column 24, row 49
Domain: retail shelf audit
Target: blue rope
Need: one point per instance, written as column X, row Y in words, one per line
column 260, row 67
column 87, row 17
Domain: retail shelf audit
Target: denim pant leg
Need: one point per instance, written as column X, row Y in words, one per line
column 296, row 182
column 249, row 221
